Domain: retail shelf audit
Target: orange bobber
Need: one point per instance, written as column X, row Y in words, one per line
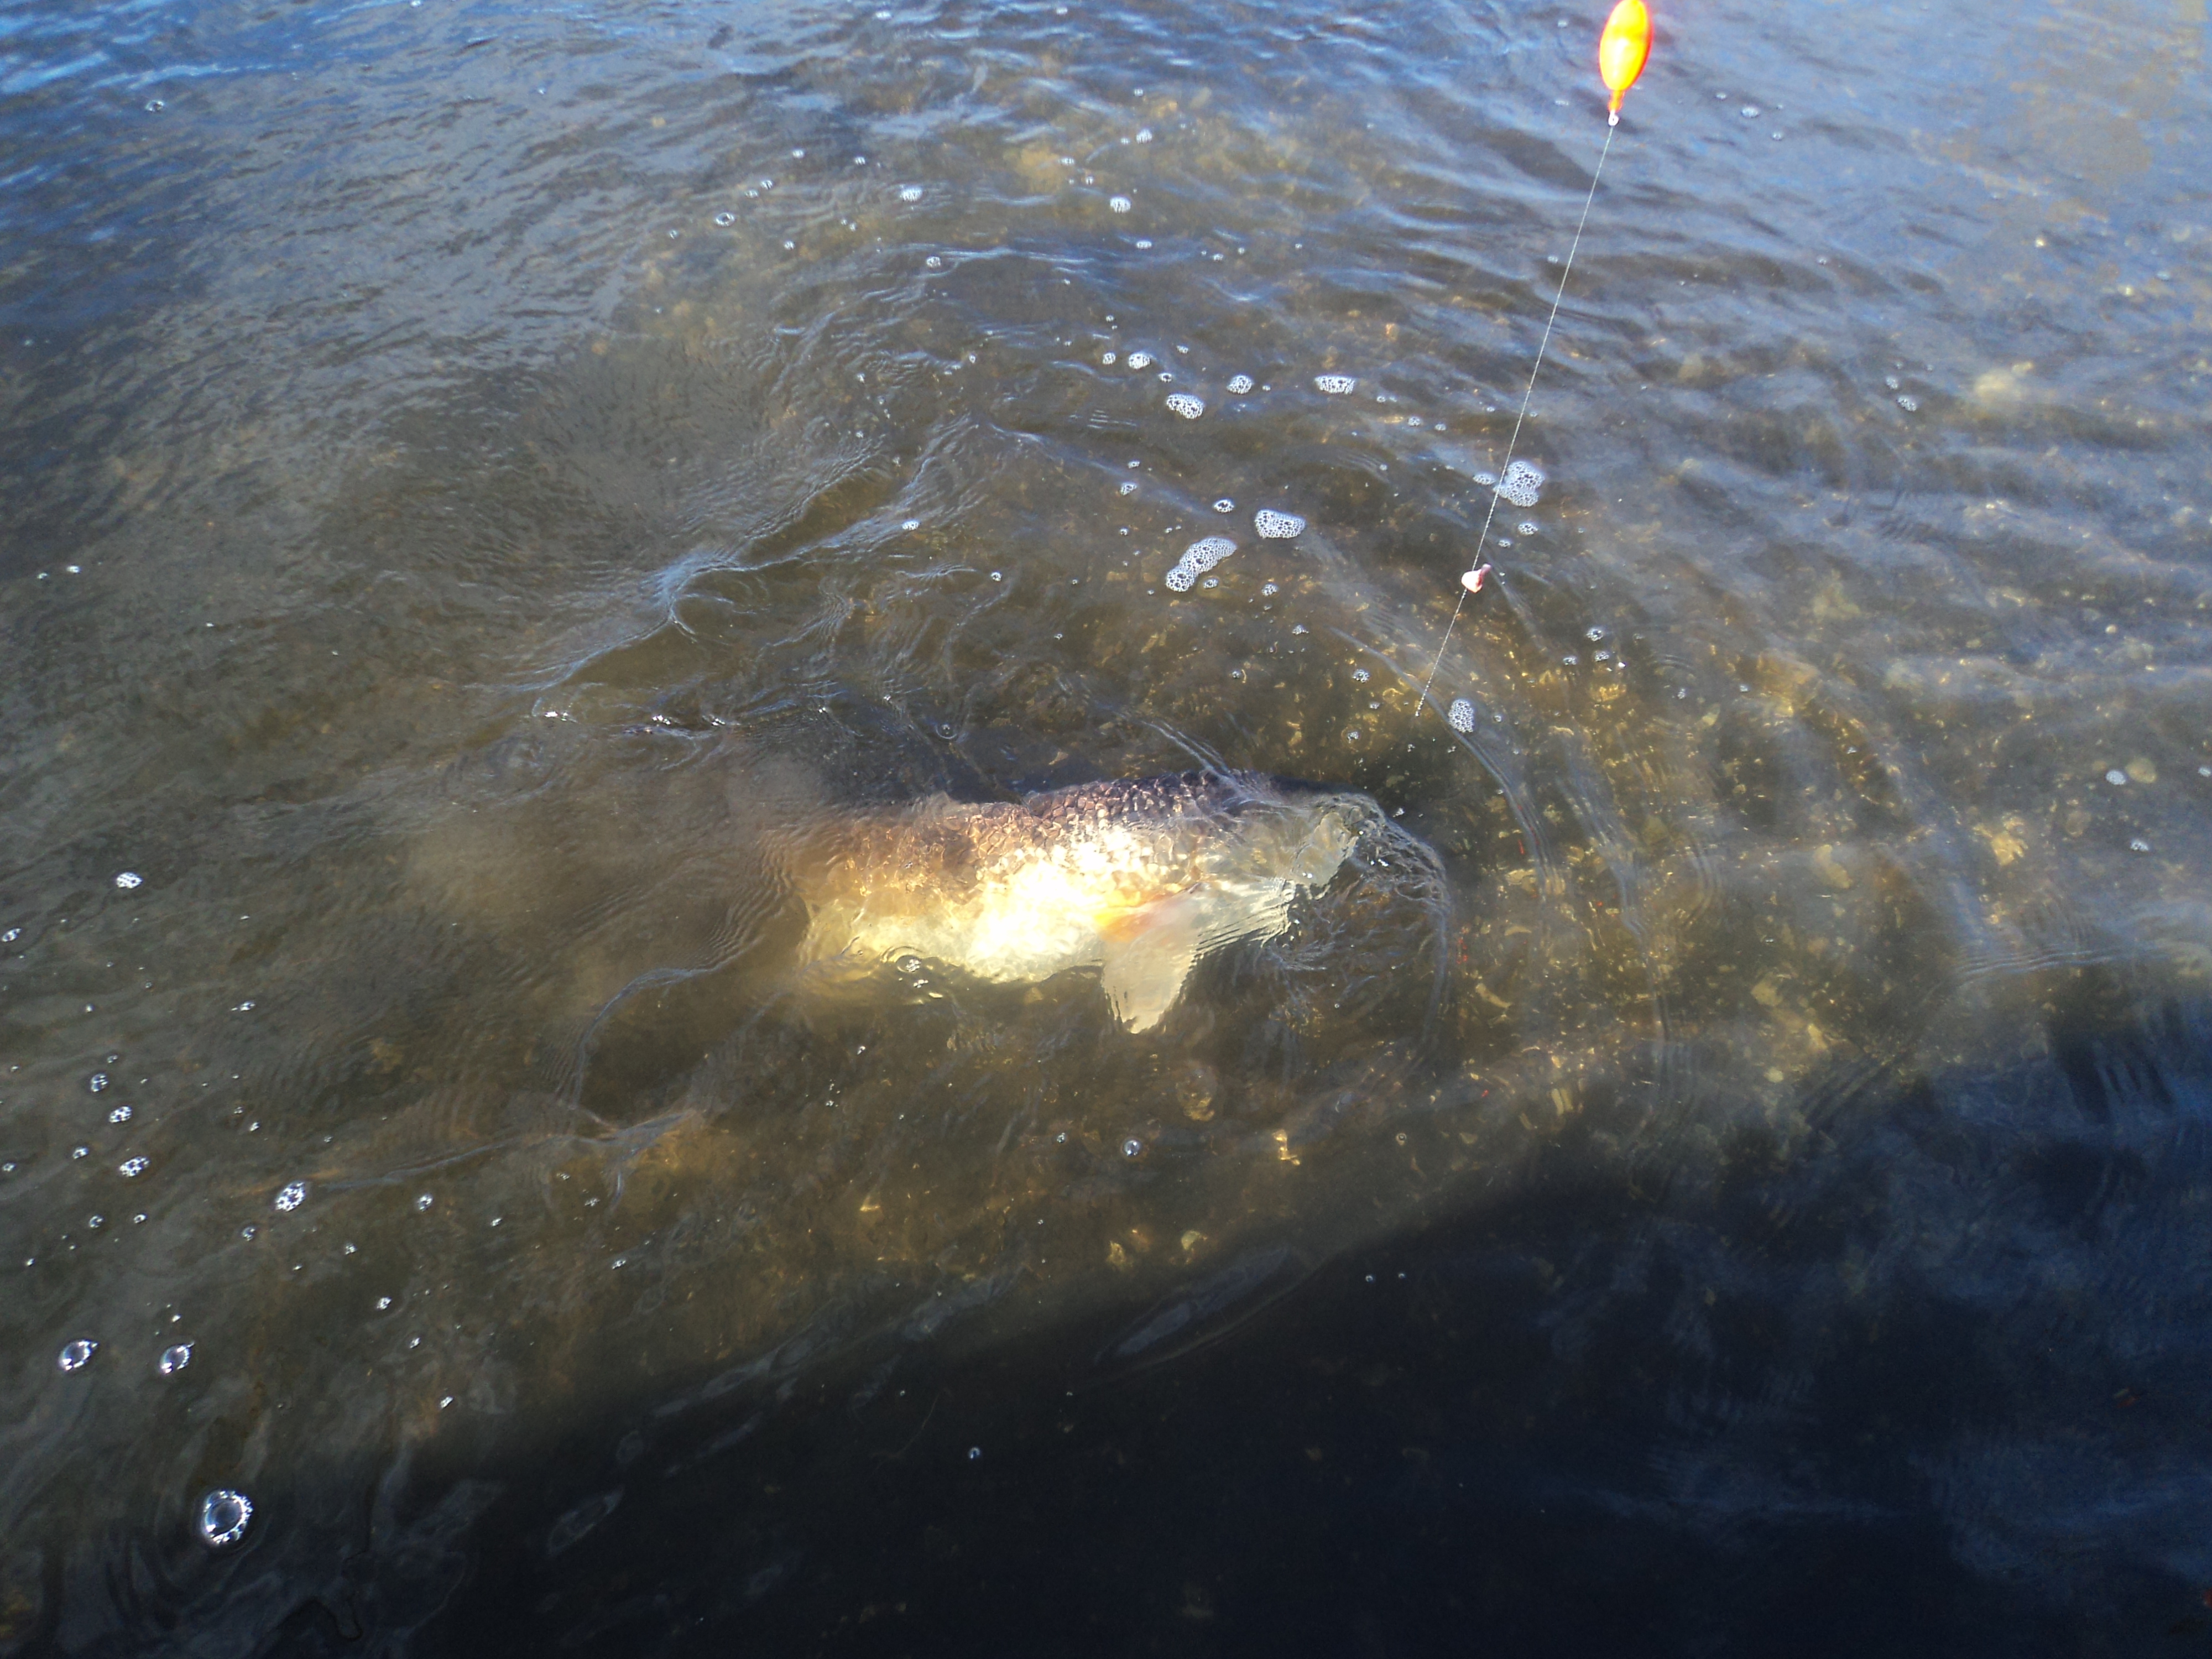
column 1622, row 49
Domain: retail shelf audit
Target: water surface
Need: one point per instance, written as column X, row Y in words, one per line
column 486, row 481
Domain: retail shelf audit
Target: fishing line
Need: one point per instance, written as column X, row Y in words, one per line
column 1621, row 51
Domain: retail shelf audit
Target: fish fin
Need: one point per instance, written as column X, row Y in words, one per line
column 1148, row 956
column 1149, row 951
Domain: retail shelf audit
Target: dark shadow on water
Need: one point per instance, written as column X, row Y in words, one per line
column 1929, row 1382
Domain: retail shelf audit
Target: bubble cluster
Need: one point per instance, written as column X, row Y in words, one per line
column 1522, row 484
column 1526, row 527
column 223, row 1516
column 173, row 1360
column 1333, row 386
column 1461, row 715
column 131, row 1168
column 1274, row 526
column 1140, row 360
column 1182, row 403
column 292, row 1195
column 1200, row 557
column 75, row 1356
column 1239, row 384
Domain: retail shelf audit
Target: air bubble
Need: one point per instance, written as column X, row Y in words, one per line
column 1166, row 378
column 1360, row 676
column 1486, row 479
column 1571, row 660
column 1333, row 386
column 934, row 263
column 1522, row 484
column 1274, row 526
column 223, row 1517
column 1129, row 487
column 2139, row 845
column 1132, row 1147
column 96, row 1082
column 726, row 218
column 1239, row 384
column 1144, row 242
column 1212, row 582
column 910, row 523
column 1461, row 715
column 424, row 1202
column 1595, row 634
column 120, row 1114
column 76, row 1355
column 11, row 936
column 294, row 1194
column 2116, row 777
column 1750, row 111
column 909, row 193
column 1140, row 360
column 1107, row 358
column 1143, row 135
column 1120, row 204
column 1526, row 527
column 1268, row 590
column 131, row 1168
column 998, row 575
column 1184, row 404
column 173, row 1360
column 1909, row 404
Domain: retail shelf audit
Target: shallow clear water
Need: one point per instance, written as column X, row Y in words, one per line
column 485, row 481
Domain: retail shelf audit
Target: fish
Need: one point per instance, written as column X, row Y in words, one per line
column 1139, row 879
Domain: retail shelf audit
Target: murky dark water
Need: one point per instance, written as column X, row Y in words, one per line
column 484, row 481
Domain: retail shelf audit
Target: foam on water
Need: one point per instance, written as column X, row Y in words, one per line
column 1239, row 384
column 1333, row 386
column 1184, row 404
column 1206, row 553
column 1461, row 715
column 1522, row 484
column 1181, row 579
column 1275, row 526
